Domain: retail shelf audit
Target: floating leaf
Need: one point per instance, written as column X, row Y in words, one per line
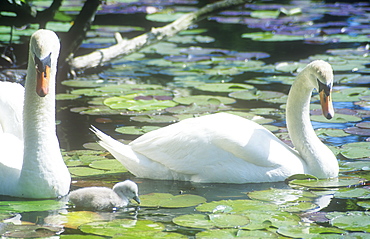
column 265, row 14
column 73, row 219
column 155, row 118
column 361, row 193
column 123, row 102
column 351, row 221
column 259, row 95
column 326, row 183
column 30, row 205
column 356, row 150
column 281, row 196
column 211, row 220
column 167, row 200
column 268, row 36
column 331, row 132
column 119, row 227
column 224, row 87
column 30, row 231
column 164, row 16
column 85, row 171
column 108, row 164
column 227, row 206
column 266, row 219
column 204, row 100
column 338, row 118
column 308, row 231
column 135, row 130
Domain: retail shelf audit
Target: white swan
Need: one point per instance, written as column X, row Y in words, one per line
column 224, row 148
column 31, row 165
column 103, row 198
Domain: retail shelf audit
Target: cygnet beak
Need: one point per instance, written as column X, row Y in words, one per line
column 137, row 199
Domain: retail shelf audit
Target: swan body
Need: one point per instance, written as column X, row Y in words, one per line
column 31, row 164
column 225, row 148
column 103, row 198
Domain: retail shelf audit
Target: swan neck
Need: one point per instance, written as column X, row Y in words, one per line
column 318, row 157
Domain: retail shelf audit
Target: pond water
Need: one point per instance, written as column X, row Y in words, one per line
column 222, row 49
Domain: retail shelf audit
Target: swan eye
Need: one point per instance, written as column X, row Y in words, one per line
column 323, row 87
column 42, row 64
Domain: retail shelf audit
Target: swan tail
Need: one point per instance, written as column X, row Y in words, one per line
column 120, row 151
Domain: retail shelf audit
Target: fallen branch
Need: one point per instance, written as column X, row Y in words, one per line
column 123, row 48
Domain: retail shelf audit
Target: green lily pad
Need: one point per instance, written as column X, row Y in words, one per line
column 134, row 130
column 164, row 16
column 326, row 183
column 331, row 132
column 119, row 227
column 85, row 171
column 236, row 206
column 224, row 87
column 302, row 231
column 268, row 36
column 211, row 220
column 356, row 165
column 167, row 200
column 351, row 221
column 281, row 196
column 338, row 118
column 361, row 193
column 349, row 94
column 108, row 164
column 364, row 204
column 265, row 14
column 266, row 219
column 155, row 118
column 30, row 206
column 257, row 95
column 356, row 150
column 30, row 231
column 127, row 103
column 73, row 219
column 235, row 233
column 204, row 100
column 66, row 97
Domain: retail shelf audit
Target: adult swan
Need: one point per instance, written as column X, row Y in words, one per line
column 224, row 148
column 31, row 164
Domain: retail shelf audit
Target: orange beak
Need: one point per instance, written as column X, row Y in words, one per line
column 326, row 105
column 43, row 78
column 43, row 75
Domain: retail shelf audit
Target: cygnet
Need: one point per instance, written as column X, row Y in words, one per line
column 103, row 198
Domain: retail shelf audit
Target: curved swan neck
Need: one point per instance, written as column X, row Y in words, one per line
column 318, row 157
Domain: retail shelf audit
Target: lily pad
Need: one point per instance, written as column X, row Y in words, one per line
column 302, row 231
column 356, row 150
column 265, row 219
column 211, row 220
column 85, row 171
column 331, row 132
column 128, row 103
column 361, row 193
column 236, row 206
column 224, row 87
column 108, row 164
column 30, row 206
column 135, row 130
column 73, row 219
column 258, row 95
column 338, row 118
column 326, row 183
column 235, row 233
column 167, row 200
column 155, row 118
column 281, row 196
column 30, row 231
column 351, row 221
column 204, row 100
column 118, row 227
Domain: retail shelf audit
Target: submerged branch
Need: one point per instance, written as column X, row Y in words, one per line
column 122, row 48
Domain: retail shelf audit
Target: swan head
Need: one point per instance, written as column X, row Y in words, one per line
column 127, row 189
column 44, row 45
column 322, row 79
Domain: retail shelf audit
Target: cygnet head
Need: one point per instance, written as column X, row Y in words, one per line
column 127, row 189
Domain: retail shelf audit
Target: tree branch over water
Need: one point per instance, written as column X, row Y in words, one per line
column 123, row 48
